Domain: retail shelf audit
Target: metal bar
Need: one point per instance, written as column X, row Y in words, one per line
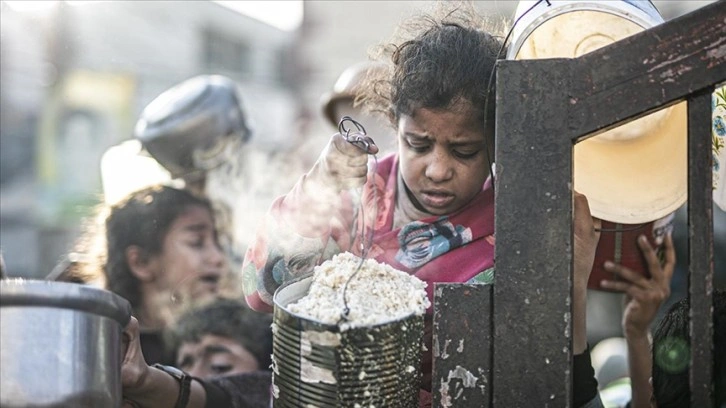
column 648, row 71
column 533, row 221
column 543, row 107
column 462, row 345
column 700, row 248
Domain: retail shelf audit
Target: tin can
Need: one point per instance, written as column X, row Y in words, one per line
column 321, row 365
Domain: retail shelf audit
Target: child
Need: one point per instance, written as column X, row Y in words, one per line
column 660, row 378
column 161, row 251
column 429, row 208
column 224, row 337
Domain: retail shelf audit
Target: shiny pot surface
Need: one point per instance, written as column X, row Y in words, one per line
column 195, row 117
column 60, row 345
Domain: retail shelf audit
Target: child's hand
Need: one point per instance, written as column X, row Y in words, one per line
column 643, row 295
column 134, row 370
column 586, row 237
column 342, row 165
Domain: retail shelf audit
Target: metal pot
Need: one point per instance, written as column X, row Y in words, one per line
column 197, row 116
column 61, row 345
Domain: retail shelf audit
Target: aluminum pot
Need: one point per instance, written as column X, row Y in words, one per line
column 195, row 117
column 61, row 345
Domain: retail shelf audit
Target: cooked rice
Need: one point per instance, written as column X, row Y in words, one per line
column 378, row 293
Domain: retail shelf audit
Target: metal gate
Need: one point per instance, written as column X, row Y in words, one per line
column 516, row 333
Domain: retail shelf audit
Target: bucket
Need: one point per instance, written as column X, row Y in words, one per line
column 319, row 365
column 640, row 12
column 61, row 345
column 633, row 173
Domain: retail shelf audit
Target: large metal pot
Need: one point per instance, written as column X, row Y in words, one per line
column 60, row 345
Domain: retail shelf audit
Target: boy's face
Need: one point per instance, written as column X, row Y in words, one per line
column 443, row 157
column 213, row 356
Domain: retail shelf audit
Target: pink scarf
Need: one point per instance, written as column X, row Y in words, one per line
column 452, row 248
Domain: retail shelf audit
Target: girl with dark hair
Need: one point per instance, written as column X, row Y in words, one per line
column 436, row 187
column 429, row 208
column 161, row 250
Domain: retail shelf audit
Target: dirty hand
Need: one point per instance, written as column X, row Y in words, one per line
column 643, row 296
column 342, row 165
column 586, row 237
column 134, row 370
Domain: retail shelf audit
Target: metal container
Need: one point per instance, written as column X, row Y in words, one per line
column 633, row 173
column 531, row 15
column 320, row 365
column 197, row 116
column 60, row 345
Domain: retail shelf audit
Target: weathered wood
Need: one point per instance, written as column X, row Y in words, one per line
column 700, row 248
column 532, row 295
column 647, row 71
column 462, row 345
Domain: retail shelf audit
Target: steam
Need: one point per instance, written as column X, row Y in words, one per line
column 242, row 184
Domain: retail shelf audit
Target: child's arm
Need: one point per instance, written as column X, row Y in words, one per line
column 305, row 226
column 643, row 298
column 586, row 238
column 290, row 240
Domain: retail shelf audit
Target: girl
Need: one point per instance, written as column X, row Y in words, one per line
column 429, row 208
column 161, row 250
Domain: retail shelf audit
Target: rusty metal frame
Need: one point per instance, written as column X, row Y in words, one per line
column 544, row 107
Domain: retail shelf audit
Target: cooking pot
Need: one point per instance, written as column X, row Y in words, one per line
column 196, row 117
column 60, row 345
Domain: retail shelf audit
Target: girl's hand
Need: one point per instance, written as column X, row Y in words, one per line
column 643, row 295
column 342, row 165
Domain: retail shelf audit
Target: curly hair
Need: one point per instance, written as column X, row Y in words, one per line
column 226, row 318
column 436, row 61
column 142, row 219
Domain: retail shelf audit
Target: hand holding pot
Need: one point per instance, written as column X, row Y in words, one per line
column 134, row 370
column 586, row 237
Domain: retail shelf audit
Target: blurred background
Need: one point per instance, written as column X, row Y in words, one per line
column 75, row 75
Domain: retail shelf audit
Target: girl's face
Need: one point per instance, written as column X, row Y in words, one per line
column 443, row 157
column 191, row 262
